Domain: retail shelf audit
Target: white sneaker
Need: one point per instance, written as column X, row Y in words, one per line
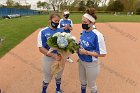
column 69, row 60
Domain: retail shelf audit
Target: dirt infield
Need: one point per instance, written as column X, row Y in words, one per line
column 21, row 68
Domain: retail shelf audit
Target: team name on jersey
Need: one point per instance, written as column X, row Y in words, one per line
column 48, row 35
column 83, row 42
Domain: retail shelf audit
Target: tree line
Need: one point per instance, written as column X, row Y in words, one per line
column 80, row 5
column 112, row 6
column 13, row 4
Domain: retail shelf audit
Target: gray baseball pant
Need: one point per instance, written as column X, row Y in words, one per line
column 88, row 72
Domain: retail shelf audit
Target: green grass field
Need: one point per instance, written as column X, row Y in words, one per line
column 109, row 18
column 15, row 30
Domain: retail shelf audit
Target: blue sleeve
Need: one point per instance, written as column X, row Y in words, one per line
column 96, row 44
column 44, row 40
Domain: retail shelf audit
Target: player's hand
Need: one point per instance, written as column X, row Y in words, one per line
column 49, row 53
column 64, row 28
column 55, row 56
column 58, row 57
column 67, row 26
column 78, row 60
column 82, row 51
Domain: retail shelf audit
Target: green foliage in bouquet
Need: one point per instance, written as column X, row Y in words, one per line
column 72, row 46
column 52, row 42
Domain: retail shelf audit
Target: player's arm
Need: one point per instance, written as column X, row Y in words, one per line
column 102, row 55
column 102, row 46
column 41, row 45
column 70, row 26
column 85, row 52
column 95, row 54
column 47, row 53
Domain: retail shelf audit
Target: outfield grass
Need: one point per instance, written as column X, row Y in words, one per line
column 108, row 18
column 118, row 18
column 16, row 30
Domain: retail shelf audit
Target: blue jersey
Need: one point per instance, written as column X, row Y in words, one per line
column 63, row 23
column 89, row 41
column 43, row 36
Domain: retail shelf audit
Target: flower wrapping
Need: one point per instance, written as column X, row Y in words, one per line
column 66, row 45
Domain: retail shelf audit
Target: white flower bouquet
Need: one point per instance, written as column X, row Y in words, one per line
column 66, row 45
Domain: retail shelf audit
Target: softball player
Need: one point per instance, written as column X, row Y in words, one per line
column 89, row 53
column 66, row 24
column 49, row 57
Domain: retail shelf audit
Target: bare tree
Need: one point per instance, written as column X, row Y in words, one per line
column 103, row 2
column 56, row 3
column 129, row 4
column 39, row 4
column 10, row 3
